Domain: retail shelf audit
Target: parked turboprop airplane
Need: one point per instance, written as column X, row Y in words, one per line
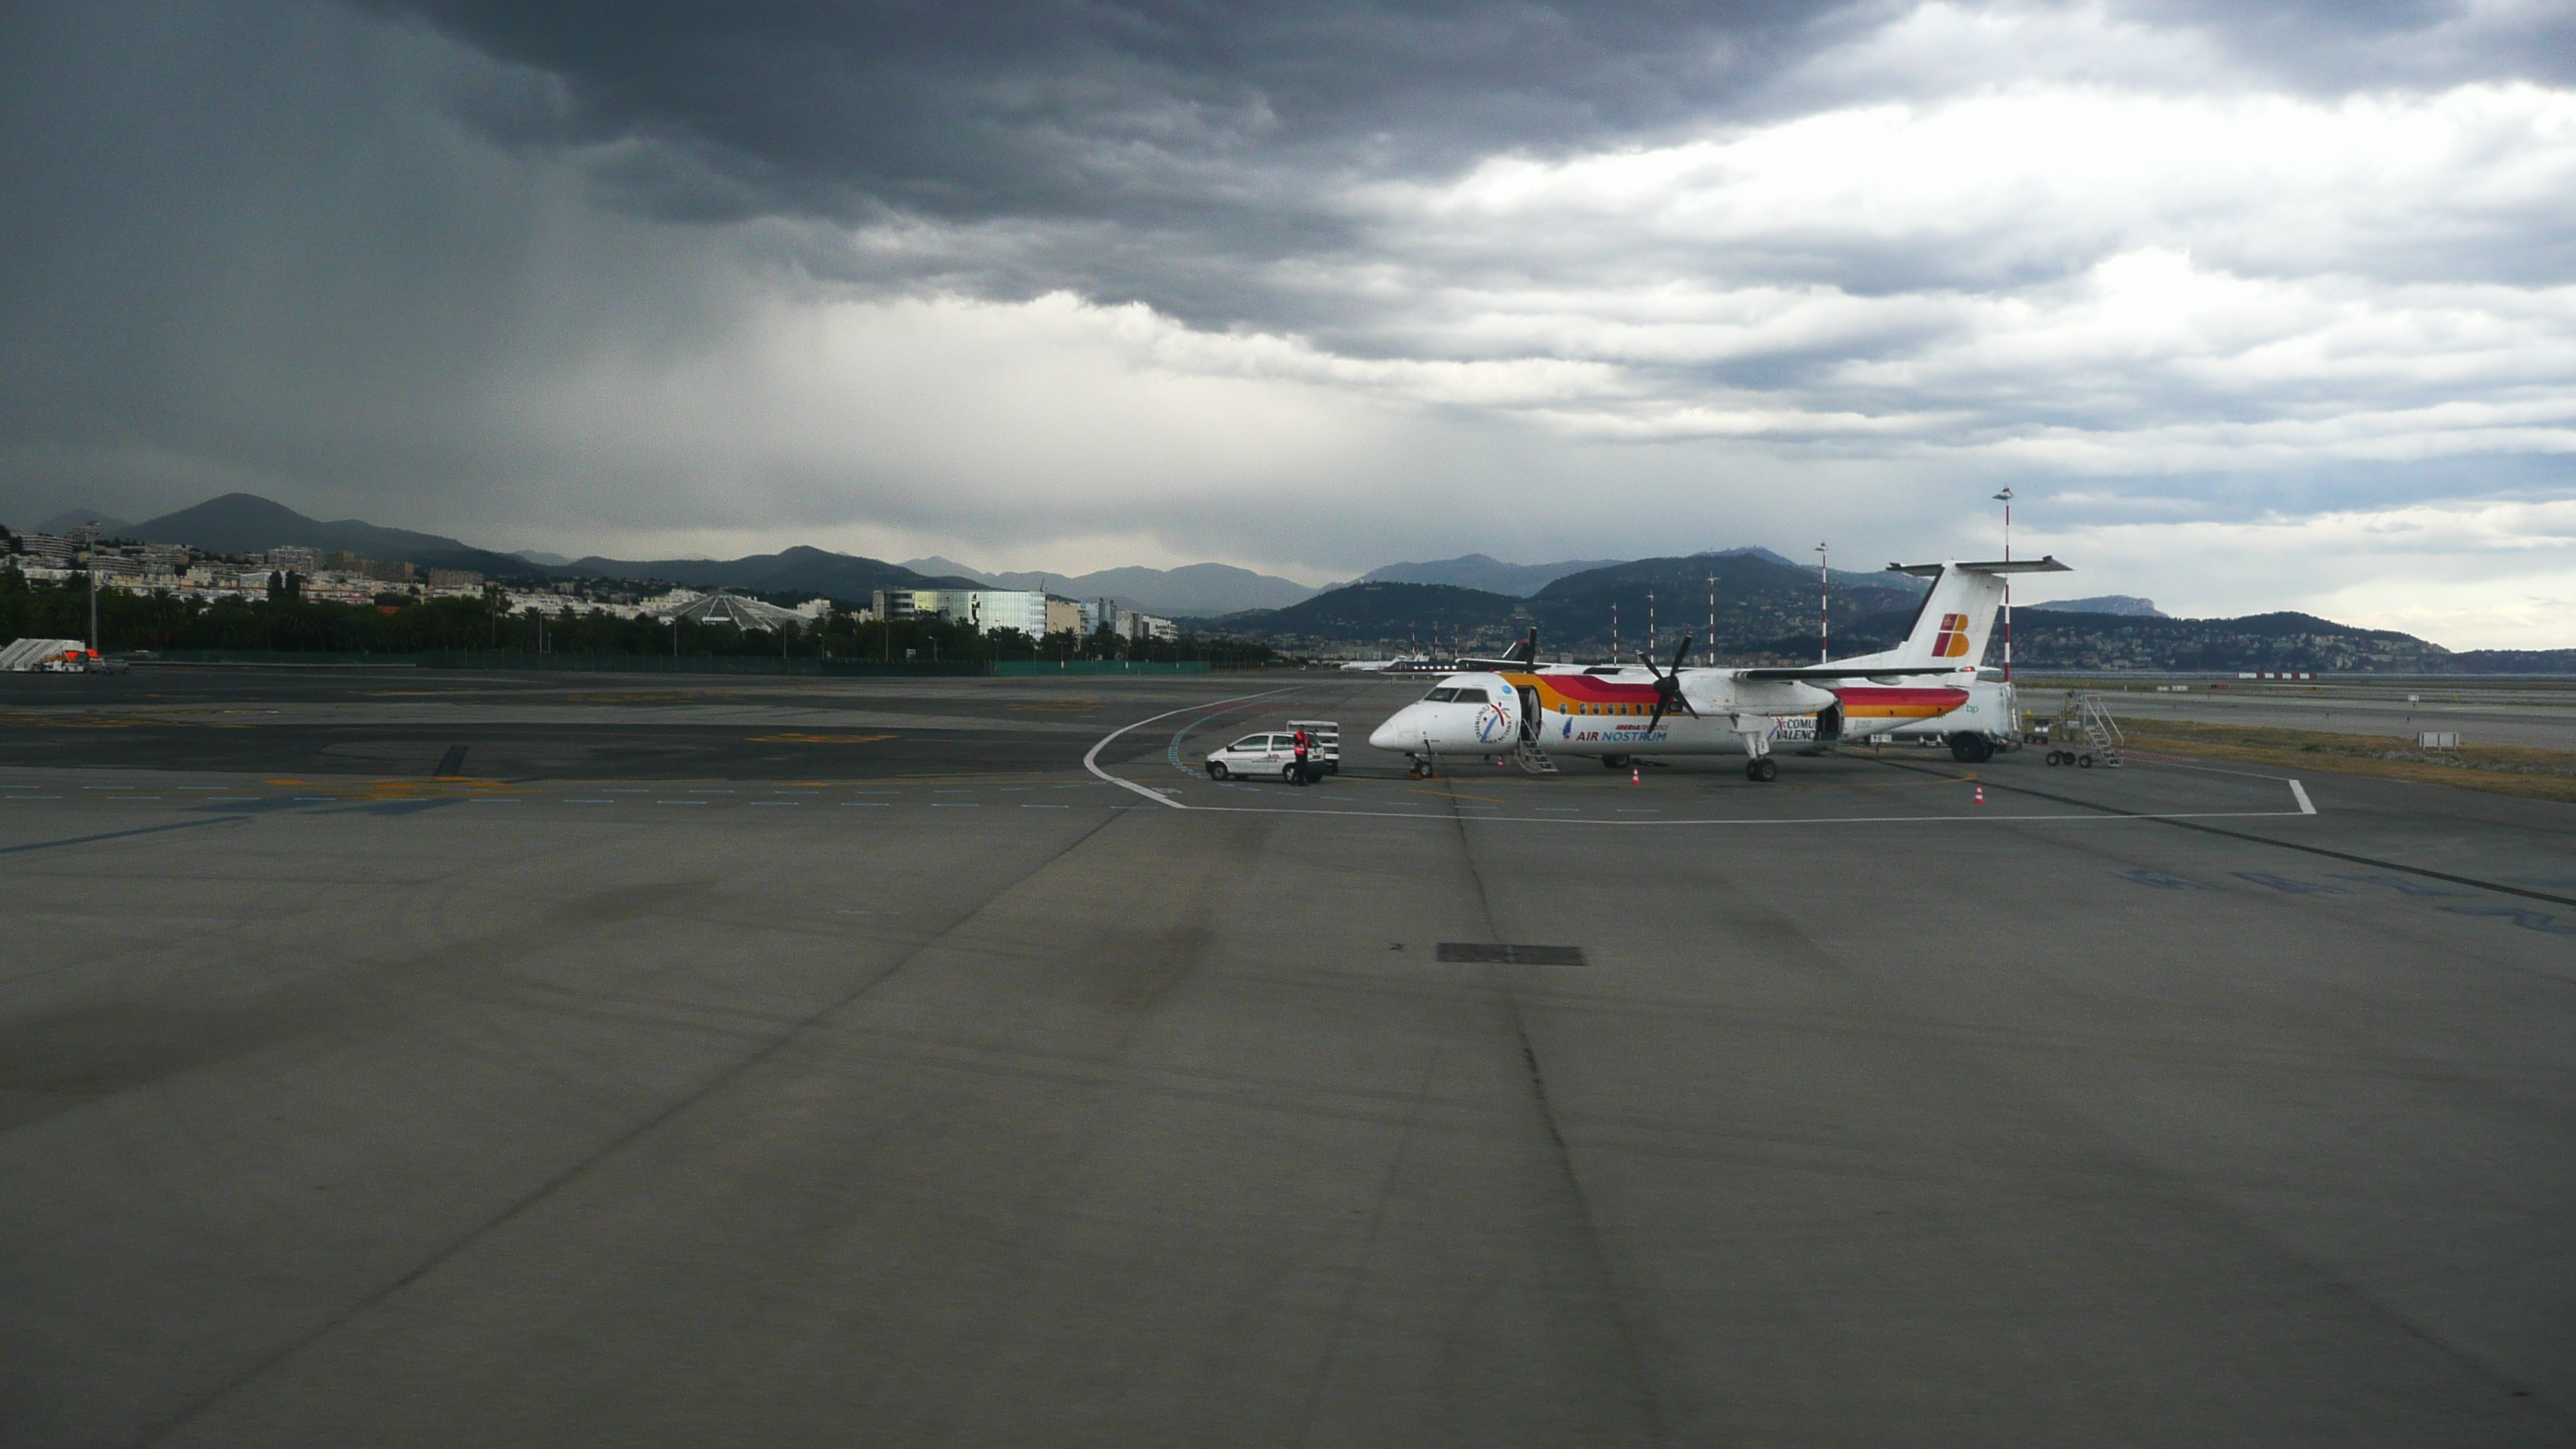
column 1616, row 711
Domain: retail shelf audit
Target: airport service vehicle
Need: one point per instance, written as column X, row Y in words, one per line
column 1323, row 743
column 1976, row 729
column 1269, row 756
column 1617, row 712
column 55, row 656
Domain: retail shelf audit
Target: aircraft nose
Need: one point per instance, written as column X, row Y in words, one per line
column 1393, row 734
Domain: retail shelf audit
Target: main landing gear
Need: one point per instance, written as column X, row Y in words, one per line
column 1762, row 771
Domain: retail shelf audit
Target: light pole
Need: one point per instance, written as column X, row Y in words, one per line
column 2005, row 498
column 1711, row 650
column 1824, row 608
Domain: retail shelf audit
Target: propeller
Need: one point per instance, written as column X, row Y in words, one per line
column 1668, row 686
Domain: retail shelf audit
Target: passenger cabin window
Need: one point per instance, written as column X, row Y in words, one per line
column 1442, row 695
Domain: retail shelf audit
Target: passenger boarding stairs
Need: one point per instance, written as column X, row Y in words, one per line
column 1533, row 759
column 2085, row 711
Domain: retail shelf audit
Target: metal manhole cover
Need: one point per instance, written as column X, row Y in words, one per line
column 1482, row 952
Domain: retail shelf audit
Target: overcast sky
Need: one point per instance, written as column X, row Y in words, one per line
column 2254, row 305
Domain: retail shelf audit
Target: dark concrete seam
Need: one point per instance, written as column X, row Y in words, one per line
column 578, row 1170
column 118, row 834
column 2484, row 885
column 1630, row 1344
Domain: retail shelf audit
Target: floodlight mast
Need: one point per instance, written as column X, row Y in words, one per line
column 1824, row 609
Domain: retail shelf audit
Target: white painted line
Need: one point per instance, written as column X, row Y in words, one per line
column 1091, row 758
column 2299, row 793
column 1977, row 819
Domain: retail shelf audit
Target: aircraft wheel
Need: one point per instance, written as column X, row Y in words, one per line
column 2084, row 760
column 1217, row 770
column 1761, row 772
column 2056, row 757
column 1614, row 762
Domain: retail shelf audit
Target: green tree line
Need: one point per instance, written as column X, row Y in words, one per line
column 287, row 622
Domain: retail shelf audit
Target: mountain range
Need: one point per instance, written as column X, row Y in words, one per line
column 2125, row 605
column 1191, row 591
column 248, row 523
column 1482, row 572
column 1762, row 604
column 1761, row 593
column 798, row 570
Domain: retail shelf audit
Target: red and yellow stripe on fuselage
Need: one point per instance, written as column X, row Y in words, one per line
column 1891, row 705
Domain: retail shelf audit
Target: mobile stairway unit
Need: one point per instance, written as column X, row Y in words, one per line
column 2084, row 734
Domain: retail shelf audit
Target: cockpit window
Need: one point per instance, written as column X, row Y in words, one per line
column 1442, row 695
column 1473, row 696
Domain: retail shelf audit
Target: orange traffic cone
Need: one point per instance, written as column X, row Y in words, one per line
column 1634, row 775
column 1981, row 794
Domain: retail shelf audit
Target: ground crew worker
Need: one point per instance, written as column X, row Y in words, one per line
column 1302, row 745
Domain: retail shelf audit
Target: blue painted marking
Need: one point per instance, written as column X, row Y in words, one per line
column 2528, row 920
column 2401, row 883
column 2292, row 887
column 2162, row 881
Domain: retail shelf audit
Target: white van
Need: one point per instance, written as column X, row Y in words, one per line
column 1254, row 757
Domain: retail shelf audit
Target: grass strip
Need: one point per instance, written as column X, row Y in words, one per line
column 2498, row 769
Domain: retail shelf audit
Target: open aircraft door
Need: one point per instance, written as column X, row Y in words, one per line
column 1529, row 712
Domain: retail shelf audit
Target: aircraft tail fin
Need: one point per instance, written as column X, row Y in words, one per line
column 1951, row 630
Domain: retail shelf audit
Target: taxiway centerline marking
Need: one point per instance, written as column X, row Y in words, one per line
column 1091, row 757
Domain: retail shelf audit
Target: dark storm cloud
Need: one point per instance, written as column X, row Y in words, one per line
column 1076, row 109
column 1052, row 277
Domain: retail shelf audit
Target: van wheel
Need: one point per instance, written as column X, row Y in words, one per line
column 1217, row 770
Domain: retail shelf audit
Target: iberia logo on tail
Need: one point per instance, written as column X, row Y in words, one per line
column 1952, row 641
